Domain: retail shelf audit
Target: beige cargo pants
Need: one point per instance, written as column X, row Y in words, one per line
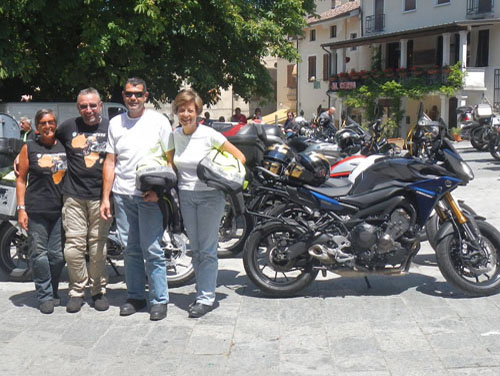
column 85, row 230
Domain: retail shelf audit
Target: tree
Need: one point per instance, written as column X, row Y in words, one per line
column 53, row 48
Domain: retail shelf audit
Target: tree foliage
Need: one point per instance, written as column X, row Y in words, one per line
column 53, row 48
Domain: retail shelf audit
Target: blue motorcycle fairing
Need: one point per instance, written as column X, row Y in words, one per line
column 429, row 192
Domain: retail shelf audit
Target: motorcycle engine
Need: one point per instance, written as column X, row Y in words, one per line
column 366, row 237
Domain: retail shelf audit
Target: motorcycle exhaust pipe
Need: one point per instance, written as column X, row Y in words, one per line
column 319, row 252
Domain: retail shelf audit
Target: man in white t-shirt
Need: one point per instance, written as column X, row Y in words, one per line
column 134, row 137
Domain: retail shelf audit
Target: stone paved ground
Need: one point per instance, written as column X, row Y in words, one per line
column 408, row 325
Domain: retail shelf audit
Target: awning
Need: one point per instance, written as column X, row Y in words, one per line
column 271, row 118
column 451, row 27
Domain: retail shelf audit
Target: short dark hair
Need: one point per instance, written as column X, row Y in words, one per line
column 136, row 81
column 41, row 113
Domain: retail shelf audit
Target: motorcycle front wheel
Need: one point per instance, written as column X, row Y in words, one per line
column 494, row 146
column 267, row 265
column 433, row 223
column 14, row 259
column 480, row 274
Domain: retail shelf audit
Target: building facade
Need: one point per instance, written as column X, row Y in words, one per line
column 405, row 35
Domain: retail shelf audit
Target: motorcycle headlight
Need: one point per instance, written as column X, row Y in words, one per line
column 467, row 170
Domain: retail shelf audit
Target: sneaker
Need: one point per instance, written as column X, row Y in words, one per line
column 158, row 312
column 198, row 310
column 74, row 304
column 47, row 307
column 132, row 306
column 100, row 302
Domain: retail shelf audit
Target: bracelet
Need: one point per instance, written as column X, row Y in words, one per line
column 21, row 207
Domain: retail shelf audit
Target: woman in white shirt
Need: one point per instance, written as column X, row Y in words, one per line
column 202, row 206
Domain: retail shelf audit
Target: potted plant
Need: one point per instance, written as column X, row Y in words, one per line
column 456, row 134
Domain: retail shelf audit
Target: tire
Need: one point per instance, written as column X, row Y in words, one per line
column 433, row 223
column 233, row 232
column 271, row 275
column 467, row 278
column 494, row 146
column 180, row 268
column 14, row 254
column 476, row 139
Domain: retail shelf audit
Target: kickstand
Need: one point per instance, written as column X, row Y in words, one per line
column 367, row 282
column 115, row 268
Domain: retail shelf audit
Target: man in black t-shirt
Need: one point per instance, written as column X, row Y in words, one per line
column 84, row 139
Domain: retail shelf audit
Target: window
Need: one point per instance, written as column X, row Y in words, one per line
column 326, row 66
column 312, row 35
column 312, row 68
column 483, row 42
column 334, row 4
column 333, row 31
column 291, row 79
column 409, row 5
column 439, row 2
column 354, row 36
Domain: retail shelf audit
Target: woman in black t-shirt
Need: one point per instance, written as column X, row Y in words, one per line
column 42, row 166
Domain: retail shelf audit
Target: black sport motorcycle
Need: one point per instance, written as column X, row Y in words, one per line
column 371, row 227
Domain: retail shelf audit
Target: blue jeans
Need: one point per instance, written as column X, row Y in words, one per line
column 46, row 254
column 140, row 228
column 202, row 212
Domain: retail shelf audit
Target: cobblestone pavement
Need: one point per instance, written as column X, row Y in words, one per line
column 409, row 325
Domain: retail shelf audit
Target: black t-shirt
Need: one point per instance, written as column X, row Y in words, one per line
column 85, row 150
column 47, row 167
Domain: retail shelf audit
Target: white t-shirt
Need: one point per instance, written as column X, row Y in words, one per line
column 189, row 151
column 133, row 141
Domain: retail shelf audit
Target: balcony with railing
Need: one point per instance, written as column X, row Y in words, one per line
column 479, row 8
column 375, row 23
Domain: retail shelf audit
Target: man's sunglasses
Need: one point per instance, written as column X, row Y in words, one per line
column 138, row 94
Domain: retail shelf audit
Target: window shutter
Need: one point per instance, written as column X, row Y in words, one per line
column 326, row 67
column 312, row 66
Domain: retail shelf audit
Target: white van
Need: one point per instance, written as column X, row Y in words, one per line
column 63, row 110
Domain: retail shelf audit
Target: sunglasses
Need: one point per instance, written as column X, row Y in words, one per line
column 93, row 106
column 130, row 94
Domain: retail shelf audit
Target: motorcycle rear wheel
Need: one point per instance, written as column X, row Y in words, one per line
column 14, row 254
column 267, row 266
column 494, row 146
column 180, row 268
column 474, row 280
column 476, row 139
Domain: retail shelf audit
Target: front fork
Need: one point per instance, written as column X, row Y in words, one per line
column 471, row 231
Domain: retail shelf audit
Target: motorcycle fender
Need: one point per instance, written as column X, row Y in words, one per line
column 446, row 228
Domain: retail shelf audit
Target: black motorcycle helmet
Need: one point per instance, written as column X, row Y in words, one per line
column 308, row 168
column 277, row 158
column 348, row 141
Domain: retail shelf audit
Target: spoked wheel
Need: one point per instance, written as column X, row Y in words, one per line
column 14, row 259
column 233, row 232
column 474, row 271
column 494, row 147
column 179, row 262
column 267, row 264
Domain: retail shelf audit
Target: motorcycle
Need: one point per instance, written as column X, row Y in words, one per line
column 494, row 143
column 371, row 226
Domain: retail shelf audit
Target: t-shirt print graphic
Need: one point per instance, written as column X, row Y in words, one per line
column 92, row 147
column 56, row 163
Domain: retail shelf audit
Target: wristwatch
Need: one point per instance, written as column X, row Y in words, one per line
column 21, row 207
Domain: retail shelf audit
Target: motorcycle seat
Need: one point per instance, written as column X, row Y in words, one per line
column 333, row 187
